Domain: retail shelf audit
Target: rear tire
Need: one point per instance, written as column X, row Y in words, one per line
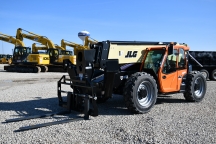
column 195, row 87
column 205, row 73
column 140, row 92
column 213, row 75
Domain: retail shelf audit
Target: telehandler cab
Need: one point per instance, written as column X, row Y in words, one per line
column 140, row 71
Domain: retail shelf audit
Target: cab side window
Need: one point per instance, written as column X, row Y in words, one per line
column 182, row 60
column 170, row 63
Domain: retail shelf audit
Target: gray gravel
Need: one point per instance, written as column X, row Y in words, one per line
column 172, row 119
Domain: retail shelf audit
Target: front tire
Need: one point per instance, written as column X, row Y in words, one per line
column 140, row 92
column 195, row 87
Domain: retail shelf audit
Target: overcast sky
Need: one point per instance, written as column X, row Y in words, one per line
column 192, row 21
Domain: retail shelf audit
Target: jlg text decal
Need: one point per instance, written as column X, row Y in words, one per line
column 131, row 54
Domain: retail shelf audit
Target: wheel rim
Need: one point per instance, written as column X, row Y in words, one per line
column 198, row 87
column 145, row 94
column 204, row 74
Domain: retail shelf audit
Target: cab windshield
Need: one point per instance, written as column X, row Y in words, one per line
column 153, row 59
column 21, row 51
column 66, row 52
column 9, row 56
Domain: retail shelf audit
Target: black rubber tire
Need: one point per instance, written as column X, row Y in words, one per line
column 191, row 94
column 131, row 96
column 213, row 75
column 206, row 73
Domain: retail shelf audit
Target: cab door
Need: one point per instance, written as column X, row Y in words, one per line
column 182, row 65
column 168, row 73
column 173, row 70
column 53, row 55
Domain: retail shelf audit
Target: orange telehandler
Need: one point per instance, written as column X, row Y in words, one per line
column 140, row 71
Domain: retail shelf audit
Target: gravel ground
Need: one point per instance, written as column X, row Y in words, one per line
column 172, row 119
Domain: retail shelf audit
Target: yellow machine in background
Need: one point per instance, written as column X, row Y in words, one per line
column 75, row 46
column 65, row 55
column 12, row 40
column 7, row 59
column 56, row 53
column 64, row 44
column 2, row 58
column 40, row 58
column 89, row 41
column 23, row 60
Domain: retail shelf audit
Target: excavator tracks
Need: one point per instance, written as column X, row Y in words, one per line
column 56, row 68
column 23, row 69
column 44, row 68
column 34, row 69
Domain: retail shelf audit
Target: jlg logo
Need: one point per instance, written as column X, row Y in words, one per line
column 131, row 54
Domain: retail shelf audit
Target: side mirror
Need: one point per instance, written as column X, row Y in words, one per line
column 170, row 49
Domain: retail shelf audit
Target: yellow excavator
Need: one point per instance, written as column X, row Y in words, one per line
column 88, row 40
column 56, row 53
column 7, row 59
column 23, row 60
column 2, row 58
column 75, row 46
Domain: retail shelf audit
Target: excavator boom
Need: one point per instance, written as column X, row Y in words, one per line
column 89, row 40
column 36, row 48
column 41, row 39
column 76, row 46
column 6, row 38
column 11, row 40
